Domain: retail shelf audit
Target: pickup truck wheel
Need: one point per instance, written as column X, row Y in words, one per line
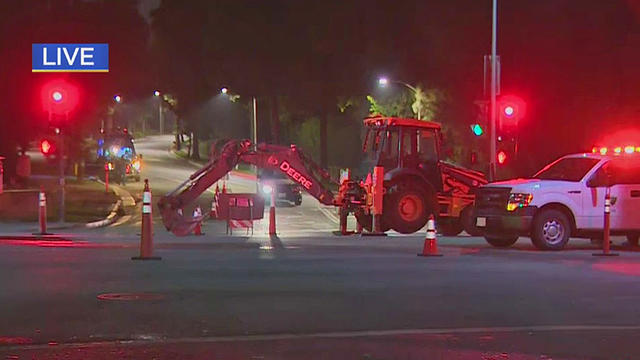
column 551, row 230
column 501, row 241
column 408, row 207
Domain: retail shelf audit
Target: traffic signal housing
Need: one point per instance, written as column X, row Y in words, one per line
column 59, row 97
column 511, row 109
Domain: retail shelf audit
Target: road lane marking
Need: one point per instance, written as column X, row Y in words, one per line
column 332, row 217
column 142, row 339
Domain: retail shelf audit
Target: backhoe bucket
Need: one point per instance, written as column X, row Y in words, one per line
column 178, row 224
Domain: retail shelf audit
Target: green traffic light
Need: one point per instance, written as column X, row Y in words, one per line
column 477, row 129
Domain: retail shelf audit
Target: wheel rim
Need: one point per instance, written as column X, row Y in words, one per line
column 553, row 232
column 410, row 207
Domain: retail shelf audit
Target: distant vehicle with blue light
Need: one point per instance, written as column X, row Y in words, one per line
column 117, row 151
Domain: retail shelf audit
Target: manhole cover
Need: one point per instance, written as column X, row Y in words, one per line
column 130, row 296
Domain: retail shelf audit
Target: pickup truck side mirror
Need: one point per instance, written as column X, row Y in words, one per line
column 592, row 182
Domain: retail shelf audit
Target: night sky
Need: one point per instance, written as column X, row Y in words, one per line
column 574, row 62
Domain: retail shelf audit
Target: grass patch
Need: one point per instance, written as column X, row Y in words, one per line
column 84, row 202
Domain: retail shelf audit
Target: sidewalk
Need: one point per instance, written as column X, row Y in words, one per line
column 86, row 202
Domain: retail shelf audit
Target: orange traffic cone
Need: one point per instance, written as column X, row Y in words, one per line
column 146, row 236
column 430, row 242
column 198, row 229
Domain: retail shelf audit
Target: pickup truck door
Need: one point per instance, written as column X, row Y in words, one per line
column 592, row 208
column 625, row 194
column 592, row 216
column 625, row 206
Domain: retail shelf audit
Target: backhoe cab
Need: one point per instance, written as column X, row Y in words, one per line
column 417, row 182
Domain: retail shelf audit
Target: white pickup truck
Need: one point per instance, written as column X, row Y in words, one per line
column 565, row 199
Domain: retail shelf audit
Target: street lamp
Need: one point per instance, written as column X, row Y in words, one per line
column 224, row 90
column 156, row 93
column 383, row 82
column 117, row 98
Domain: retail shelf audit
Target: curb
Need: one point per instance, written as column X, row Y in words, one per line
column 125, row 199
column 110, row 219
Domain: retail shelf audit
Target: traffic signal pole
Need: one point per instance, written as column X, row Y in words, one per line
column 61, row 169
column 494, row 112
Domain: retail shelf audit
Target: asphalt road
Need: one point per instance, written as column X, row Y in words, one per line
column 308, row 294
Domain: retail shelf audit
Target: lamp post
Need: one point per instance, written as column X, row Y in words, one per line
column 156, row 93
column 254, row 123
column 254, row 116
column 383, row 82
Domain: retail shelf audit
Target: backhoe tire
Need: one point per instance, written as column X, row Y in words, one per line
column 450, row 228
column 365, row 220
column 632, row 239
column 469, row 221
column 408, row 206
column 501, row 242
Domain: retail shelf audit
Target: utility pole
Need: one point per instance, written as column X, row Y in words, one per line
column 254, row 124
column 494, row 112
column 160, row 116
column 61, row 179
column 254, row 134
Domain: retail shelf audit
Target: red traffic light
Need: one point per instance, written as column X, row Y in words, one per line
column 47, row 147
column 511, row 107
column 502, row 157
column 59, row 97
column 509, row 110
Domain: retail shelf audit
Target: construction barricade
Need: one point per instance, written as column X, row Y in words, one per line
column 240, row 210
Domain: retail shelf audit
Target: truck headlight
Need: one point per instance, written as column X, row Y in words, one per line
column 518, row 200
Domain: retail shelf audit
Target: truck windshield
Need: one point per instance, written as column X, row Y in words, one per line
column 567, row 169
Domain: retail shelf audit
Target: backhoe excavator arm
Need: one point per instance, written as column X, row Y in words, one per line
column 289, row 160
